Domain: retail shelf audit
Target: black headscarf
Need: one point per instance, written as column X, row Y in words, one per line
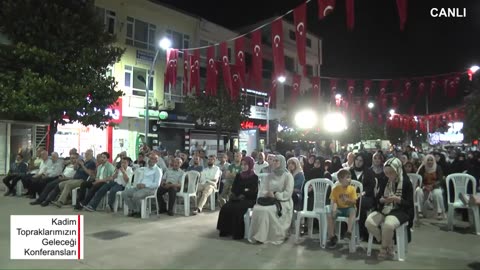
column 317, row 172
column 336, row 164
column 362, row 168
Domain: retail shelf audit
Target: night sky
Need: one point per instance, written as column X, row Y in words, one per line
column 376, row 48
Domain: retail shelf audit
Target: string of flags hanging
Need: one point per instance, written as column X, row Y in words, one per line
column 423, row 122
column 236, row 74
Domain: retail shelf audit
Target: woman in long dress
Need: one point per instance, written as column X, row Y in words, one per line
column 244, row 195
column 266, row 225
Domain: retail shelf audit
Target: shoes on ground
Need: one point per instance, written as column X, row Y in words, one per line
column 332, row 243
column 45, row 203
column 35, row 203
column 89, row 208
column 57, row 204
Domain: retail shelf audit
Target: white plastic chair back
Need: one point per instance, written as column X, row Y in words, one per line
column 460, row 184
column 138, row 174
column 416, row 180
column 193, row 180
column 320, row 187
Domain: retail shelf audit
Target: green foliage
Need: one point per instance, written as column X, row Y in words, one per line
column 59, row 54
column 227, row 114
column 471, row 125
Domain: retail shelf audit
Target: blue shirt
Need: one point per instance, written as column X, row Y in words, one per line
column 81, row 173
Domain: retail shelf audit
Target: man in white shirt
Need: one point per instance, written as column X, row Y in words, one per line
column 28, row 180
column 350, row 161
column 171, row 184
column 260, row 164
column 144, row 187
column 53, row 171
column 208, row 181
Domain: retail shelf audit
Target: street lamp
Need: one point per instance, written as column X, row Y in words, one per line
column 164, row 44
column 281, row 79
column 392, row 111
column 371, row 105
column 335, row 122
column 306, row 119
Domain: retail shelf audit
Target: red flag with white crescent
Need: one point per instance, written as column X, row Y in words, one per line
column 185, row 72
column 407, row 90
column 395, row 101
column 195, row 71
column 277, row 48
column 382, row 99
column 433, row 87
column 211, row 84
column 257, row 58
column 402, row 12
column 333, row 88
column 300, row 20
column 237, row 82
column 315, row 89
column 171, row 70
column 297, row 79
column 325, row 7
column 421, row 90
column 227, row 77
column 240, row 56
column 350, row 8
column 380, row 119
column 350, row 89
column 367, row 86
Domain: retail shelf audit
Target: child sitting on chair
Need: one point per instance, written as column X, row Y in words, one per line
column 343, row 203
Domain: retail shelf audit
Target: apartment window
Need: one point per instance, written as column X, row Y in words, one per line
column 135, row 79
column 140, row 34
column 108, row 18
column 205, row 43
column 289, row 64
column 176, row 93
column 267, row 69
column 309, row 43
column 179, row 40
column 291, row 35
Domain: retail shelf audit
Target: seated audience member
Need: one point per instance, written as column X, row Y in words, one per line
column 308, row 164
column 171, row 184
column 349, row 163
column 120, row 178
column 394, row 207
column 85, row 169
column 52, row 173
column 260, row 164
column 29, row 179
column 105, row 171
column 377, row 167
column 51, row 190
column 270, row 158
column 430, row 196
column 233, row 169
column 243, row 196
column 408, row 167
column 118, row 159
column 185, row 161
column 197, row 165
column 209, row 178
column 140, row 162
column 144, row 187
column 271, row 222
column 343, row 204
column 293, row 166
column 17, row 170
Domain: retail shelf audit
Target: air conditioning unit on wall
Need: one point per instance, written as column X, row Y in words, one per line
column 168, row 104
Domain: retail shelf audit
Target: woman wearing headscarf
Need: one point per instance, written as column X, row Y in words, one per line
column 243, row 196
column 431, row 194
column 459, row 164
column 377, row 167
column 268, row 169
column 336, row 165
column 394, row 207
column 317, row 171
column 308, row 164
column 364, row 175
column 294, row 167
column 269, row 223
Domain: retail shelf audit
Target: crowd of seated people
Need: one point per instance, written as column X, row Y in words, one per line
column 271, row 186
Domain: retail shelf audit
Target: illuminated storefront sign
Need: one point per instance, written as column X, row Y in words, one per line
column 251, row 124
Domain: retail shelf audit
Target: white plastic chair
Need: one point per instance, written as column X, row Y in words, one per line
column 401, row 234
column 355, row 239
column 193, row 181
column 460, row 183
column 19, row 188
column 416, row 180
column 320, row 187
column 216, row 189
column 146, row 203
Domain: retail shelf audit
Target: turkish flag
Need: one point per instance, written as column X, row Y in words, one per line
column 382, row 100
column 240, row 56
column 257, row 58
column 402, row 12
column 273, row 91
column 325, row 7
column 350, row 89
column 300, row 18
column 297, row 79
column 421, row 90
column 211, row 84
column 237, row 82
column 277, row 48
column 350, row 8
column 315, row 89
column 227, row 77
column 395, row 101
column 195, row 71
column 185, row 72
column 380, row 119
column 407, row 89
column 171, row 71
column 433, row 87
column 367, row 86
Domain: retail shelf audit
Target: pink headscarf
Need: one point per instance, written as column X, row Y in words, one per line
column 250, row 162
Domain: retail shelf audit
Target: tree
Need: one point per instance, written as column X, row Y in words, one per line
column 55, row 67
column 219, row 111
column 471, row 126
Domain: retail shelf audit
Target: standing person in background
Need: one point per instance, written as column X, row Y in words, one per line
column 233, row 169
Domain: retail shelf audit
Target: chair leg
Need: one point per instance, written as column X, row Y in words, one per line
column 400, row 237
column 297, row 229
column 370, row 243
column 212, row 201
column 143, row 209
column 451, row 212
column 352, row 243
column 246, row 221
column 156, row 204
column 339, row 230
column 186, row 204
column 324, row 229
column 310, row 227
column 125, row 209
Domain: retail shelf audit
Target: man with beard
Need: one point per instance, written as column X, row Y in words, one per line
column 233, row 169
column 171, row 183
column 197, row 165
column 208, row 181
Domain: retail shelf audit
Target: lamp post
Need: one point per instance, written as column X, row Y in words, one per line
column 164, row 44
